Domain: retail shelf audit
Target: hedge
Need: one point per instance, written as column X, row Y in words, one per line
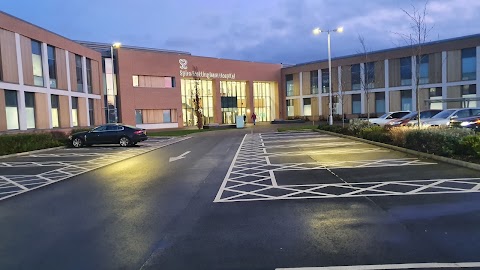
column 17, row 143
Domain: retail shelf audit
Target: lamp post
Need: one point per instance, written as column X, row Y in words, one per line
column 115, row 45
column 317, row 31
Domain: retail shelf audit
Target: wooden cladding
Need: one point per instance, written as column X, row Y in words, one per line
column 346, row 79
column 454, row 92
column 26, row 48
column 61, row 68
column 296, row 84
column 423, row 95
column 395, row 101
column 98, row 112
column 435, row 68
column 8, row 57
column 82, row 112
column 394, row 72
column 64, row 111
column 73, row 72
column 3, row 113
column 152, row 81
column 306, row 83
column 95, row 77
column 379, row 74
column 454, row 66
column 41, row 107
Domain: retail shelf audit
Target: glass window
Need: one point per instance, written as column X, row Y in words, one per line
column 52, row 71
column 325, row 81
column 289, row 84
column 355, row 73
column 290, row 108
column 37, row 63
column 469, row 93
column 79, row 72
column 30, row 109
column 89, row 75
column 11, row 109
column 262, row 99
column 469, row 64
column 435, row 93
column 380, row 102
column 75, row 111
column 370, row 75
column 423, row 69
column 356, row 103
column 406, row 100
column 314, row 82
column 167, row 116
column 138, row 117
column 462, row 113
column 135, row 80
column 55, row 110
column 91, row 111
column 406, row 71
column 307, row 106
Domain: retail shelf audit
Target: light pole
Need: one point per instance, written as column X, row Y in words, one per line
column 115, row 45
column 317, row 31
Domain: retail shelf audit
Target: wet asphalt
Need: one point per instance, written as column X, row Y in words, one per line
column 148, row 213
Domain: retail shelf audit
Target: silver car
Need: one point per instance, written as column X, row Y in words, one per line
column 443, row 119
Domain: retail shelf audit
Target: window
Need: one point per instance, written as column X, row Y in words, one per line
column 262, row 100
column 307, row 106
column 167, row 116
column 289, row 84
column 325, row 81
column 138, row 117
column 423, row 69
column 370, row 75
column 406, row 100
column 153, row 81
column 89, row 76
column 30, row 109
column 135, row 80
column 380, row 102
column 356, row 103
column 469, row 64
column 314, row 82
column 75, row 111
column 55, row 111
column 91, row 111
column 355, row 73
column 435, row 93
column 52, row 71
column 79, row 72
column 37, row 63
column 11, row 109
column 469, row 92
column 290, row 108
column 406, row 71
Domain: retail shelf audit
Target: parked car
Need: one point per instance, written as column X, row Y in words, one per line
column 472, row 122
column 109, row 134
column 443, row 119
column 412, row 117
column 382, row 120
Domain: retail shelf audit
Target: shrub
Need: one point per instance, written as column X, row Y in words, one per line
column 438, row 141
column 356, row 125
column 399, row 134
column 335, row 128
column 16, row 143
column 76, row 130
column 470, row 145
column 375, row 133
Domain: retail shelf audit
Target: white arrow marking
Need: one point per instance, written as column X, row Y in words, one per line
column 179, row 157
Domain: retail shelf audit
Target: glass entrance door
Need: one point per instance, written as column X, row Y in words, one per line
column 229, row 117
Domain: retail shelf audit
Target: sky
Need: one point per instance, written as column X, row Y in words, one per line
column 274, row 31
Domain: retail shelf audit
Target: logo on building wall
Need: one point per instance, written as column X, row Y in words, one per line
column 183, row 63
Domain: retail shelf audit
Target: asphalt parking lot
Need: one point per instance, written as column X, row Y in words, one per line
column 307, row 165
column 28, row 172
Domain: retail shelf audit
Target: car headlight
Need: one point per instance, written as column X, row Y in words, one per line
column 396, row 123
column 464, row 124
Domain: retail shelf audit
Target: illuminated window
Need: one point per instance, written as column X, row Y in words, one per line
column 314, row 82
column 307, row 106
column 91, row 111
column 263, row 100
column 11, row 109
column 153, row 81
column 233, row 100
column 190, row 88
column 37, row 63
column 30, row 109
column 55, row 110
column 135, row 80
column 289, row 84
column 75, row 111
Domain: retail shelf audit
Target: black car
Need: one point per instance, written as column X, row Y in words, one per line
column 472, row 122
column 109, row 134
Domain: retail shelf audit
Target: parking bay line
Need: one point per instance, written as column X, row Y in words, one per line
column 392, row 266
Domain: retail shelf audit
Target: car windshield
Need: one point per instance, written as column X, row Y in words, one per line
column 444, row 115
column 385, row 115
column 408, row 116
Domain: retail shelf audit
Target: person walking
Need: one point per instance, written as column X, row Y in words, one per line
column 244, row 118
column 254, row 118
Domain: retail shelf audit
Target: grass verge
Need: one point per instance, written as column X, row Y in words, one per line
column 174, row 133
column 297, row 128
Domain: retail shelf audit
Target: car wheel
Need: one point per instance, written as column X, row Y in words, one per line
column 124, row 141
column 77, row 143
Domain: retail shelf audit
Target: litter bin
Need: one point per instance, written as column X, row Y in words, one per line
column 240, row 122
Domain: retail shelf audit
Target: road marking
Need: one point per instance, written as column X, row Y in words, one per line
column 13, row 183
column 391, row 266
column 179, row 157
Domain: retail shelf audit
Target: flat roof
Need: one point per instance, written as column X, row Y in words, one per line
column 389, row 49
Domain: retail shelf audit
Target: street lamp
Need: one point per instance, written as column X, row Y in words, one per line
column 115, row 45
column 317, row 31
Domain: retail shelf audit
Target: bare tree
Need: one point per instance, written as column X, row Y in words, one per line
column 197, row 103
column 419, row 31
column 365, row 83
column 341, row 97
